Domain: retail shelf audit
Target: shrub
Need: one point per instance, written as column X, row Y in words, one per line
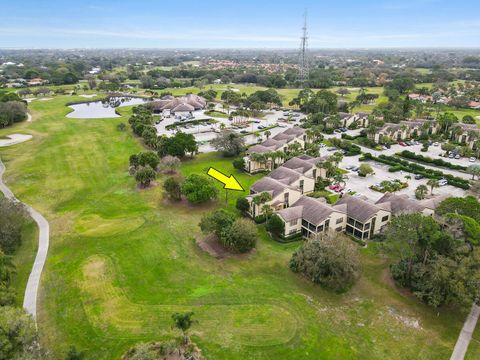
column 242, row 204
column 260, row 219
column 12, row 218
column 145, row 175
column 241, row 236
column 170, row 163
column 239, row 164
column 199, row 188
column 173, row 188
column 331, row 262
column 276, row 226
column 216, row 222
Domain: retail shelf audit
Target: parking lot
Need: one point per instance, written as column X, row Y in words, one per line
column 205, row 132
column 361, row 185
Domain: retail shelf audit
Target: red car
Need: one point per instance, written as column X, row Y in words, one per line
column 402, row 144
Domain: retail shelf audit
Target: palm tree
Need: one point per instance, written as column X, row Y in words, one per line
column 267, row 133
column 340, row 178
column 261, row 199
column 433, row 183
column 267, row 210
column 337, row 158
column 455, row 131
column 371, row 130
column 421, row 192
column 474, row 170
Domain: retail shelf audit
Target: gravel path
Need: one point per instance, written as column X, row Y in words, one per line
column 31, row 291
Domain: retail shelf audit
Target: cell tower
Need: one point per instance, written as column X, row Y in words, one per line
column 303, row 56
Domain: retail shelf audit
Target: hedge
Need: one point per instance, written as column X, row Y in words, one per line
column 397, row 164
column 260, row 219
column 428, row 160
column 289, row 238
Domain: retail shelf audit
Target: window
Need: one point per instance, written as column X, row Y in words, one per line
column 301, row 186
column 294, row 222
column 339, row 220
column 351, row 221
column 314, row 173
column 385, row 218
column 320, row 228
column 338, row 229
column 285, row 197
column 327, row 223
column 366, row 227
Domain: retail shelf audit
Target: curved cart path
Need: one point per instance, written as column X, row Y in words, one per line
column 466, row 334
column 31, row 291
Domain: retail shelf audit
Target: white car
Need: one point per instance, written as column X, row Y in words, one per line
column 473, row 159
column 442, row 182
column 435, row 144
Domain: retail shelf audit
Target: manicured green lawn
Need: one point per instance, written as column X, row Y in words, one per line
column 123, row 260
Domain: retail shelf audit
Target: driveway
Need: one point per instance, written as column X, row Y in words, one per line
column 31, row 291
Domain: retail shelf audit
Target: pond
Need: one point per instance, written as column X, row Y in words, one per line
column 103, row 109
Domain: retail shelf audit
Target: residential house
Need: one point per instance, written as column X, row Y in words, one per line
column 406, row 129
column 178, row 105
column 279, row 142
column 37, row 82
column 364, row 218
column 287, row 183
column 469, row 135
column 420, row 97
column 312, row 217
column 402, row 204
column 347, row 120
column 282, row 195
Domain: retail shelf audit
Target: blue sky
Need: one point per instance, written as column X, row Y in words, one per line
column 239, row 24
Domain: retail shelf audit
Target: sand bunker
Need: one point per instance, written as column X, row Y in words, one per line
column 88, row 95
column 14, row 139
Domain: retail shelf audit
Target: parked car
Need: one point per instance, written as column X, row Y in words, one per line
column 322, row 145
column 435, row 144
column 472, row 159
column 419, row 177
column 337, row 131
column 243, row 131
column 402, row 143
column 442, row 182
column 457, row 156
column 332, row 149
column 451, row 156
column 261, row 127
column 349, row 167
column 356, row 168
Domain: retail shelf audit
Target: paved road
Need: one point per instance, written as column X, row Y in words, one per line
column 31, row 291
column 466, row 334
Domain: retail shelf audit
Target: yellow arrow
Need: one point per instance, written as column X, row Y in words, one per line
column 230, row 182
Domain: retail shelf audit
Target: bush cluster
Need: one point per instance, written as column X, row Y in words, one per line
column 350, row 148
column 239, row 235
